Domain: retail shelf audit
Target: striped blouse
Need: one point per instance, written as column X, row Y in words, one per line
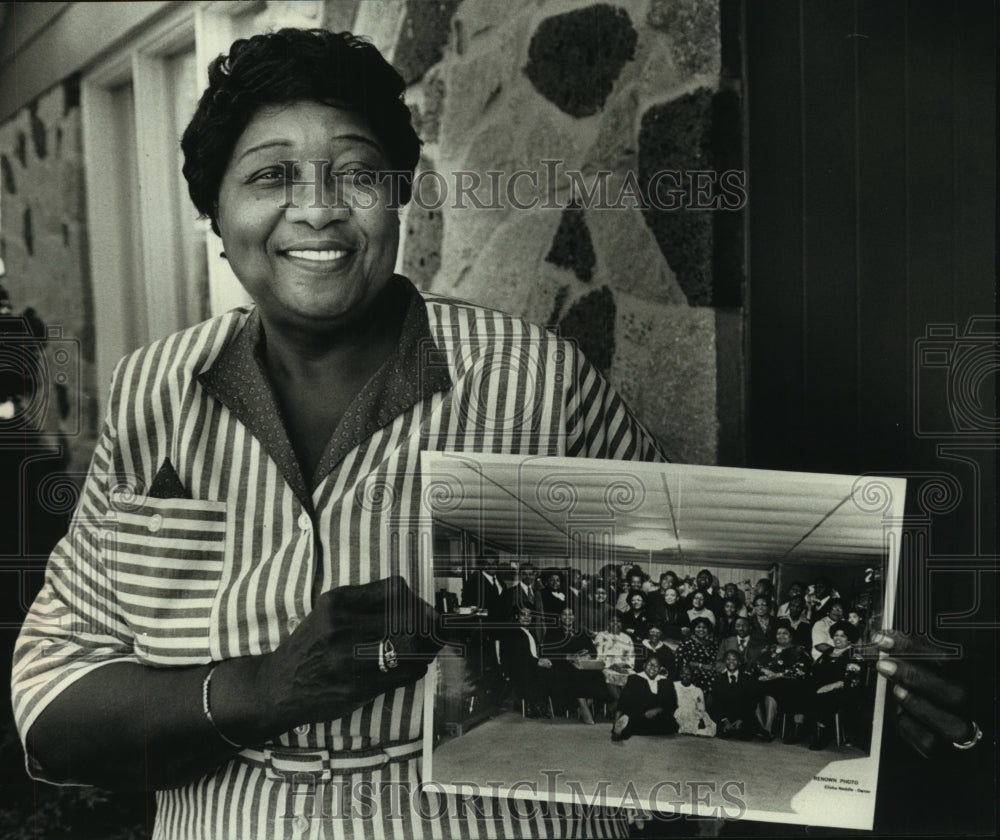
column 233, row 569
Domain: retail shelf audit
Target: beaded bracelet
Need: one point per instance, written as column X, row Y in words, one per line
column 208, row 711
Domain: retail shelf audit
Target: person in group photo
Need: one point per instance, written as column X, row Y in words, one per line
column 734, row 700
column 647, row 705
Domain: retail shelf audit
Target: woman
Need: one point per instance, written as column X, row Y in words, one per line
column 698, row 653
column 635, row 620
column 647, row 705
column 836, row 677
column 674, row 620
column 254, row 464
column 616, row 650
column 782, row 678
column 568, row 648
column 726, row 626
column 596, row 611
column 700, row 610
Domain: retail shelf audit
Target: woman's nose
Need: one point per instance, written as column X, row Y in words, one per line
column 317, row 199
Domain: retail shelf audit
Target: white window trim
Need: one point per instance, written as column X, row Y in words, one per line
column 129, row 310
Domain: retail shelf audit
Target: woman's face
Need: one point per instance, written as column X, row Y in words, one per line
column 729, row 608
column 697, row 600
column 320, row 259
column 840, row 640
column 700, row 631
column 616, row 626
column 636, row 602
column 652, row 667
column 670, row 596
column 600, row 594
column 784, row 637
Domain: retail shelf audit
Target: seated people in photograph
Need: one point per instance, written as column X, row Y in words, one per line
column 734, row 700
column 796, row 589
column 836, row 679
column 656, row 600
column 635, row 620
column 674, row 619
column 698, row 652
column 617, row 651
column 594, row 611
column 692, row 714
column 554, row 599
column 571, row 683
column 748, row 648
column 726, row 625
column 647, row 704
column 857, row 617
column 276, row 444
column 795, row 617
column 523, row 664
column 699, row 609
column 654, row 646
column 635, row 581
column 820, row 599
column 710, row 598
column 484, row 589
column 783, row 685
column 731, row 590
column 820, row 637
column 762, row 623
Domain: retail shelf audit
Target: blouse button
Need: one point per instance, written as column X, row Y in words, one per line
column 155, row 523
column 305, row 523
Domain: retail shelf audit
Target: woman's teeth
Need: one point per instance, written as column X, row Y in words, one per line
column 317, row 256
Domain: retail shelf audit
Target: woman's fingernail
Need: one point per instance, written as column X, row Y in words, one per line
column 900, row 692
column 887, row 667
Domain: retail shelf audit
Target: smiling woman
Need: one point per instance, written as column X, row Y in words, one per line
column 246, row 625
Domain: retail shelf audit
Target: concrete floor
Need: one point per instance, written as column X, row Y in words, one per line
column 772, row 780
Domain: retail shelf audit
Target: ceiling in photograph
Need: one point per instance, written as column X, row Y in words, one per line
column 559, row 507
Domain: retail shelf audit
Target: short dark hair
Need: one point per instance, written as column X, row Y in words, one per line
column 294, row 65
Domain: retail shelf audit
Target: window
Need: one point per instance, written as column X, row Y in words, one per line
column 156, row 267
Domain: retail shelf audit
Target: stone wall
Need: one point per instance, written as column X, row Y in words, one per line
column 552, row 87
column 603, row 92
column 43, row 242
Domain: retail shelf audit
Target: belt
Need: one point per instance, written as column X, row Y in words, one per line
column 281, row 763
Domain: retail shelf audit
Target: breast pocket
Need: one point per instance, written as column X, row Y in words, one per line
column 167, row 562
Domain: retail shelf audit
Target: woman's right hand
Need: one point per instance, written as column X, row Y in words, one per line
column 330, row 664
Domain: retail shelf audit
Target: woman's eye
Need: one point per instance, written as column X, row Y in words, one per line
column 274, row 173
column 356, row 173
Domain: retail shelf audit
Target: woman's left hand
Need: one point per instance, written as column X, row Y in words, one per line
column 932, row 709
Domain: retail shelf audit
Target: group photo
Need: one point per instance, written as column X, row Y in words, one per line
column 674, row 623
